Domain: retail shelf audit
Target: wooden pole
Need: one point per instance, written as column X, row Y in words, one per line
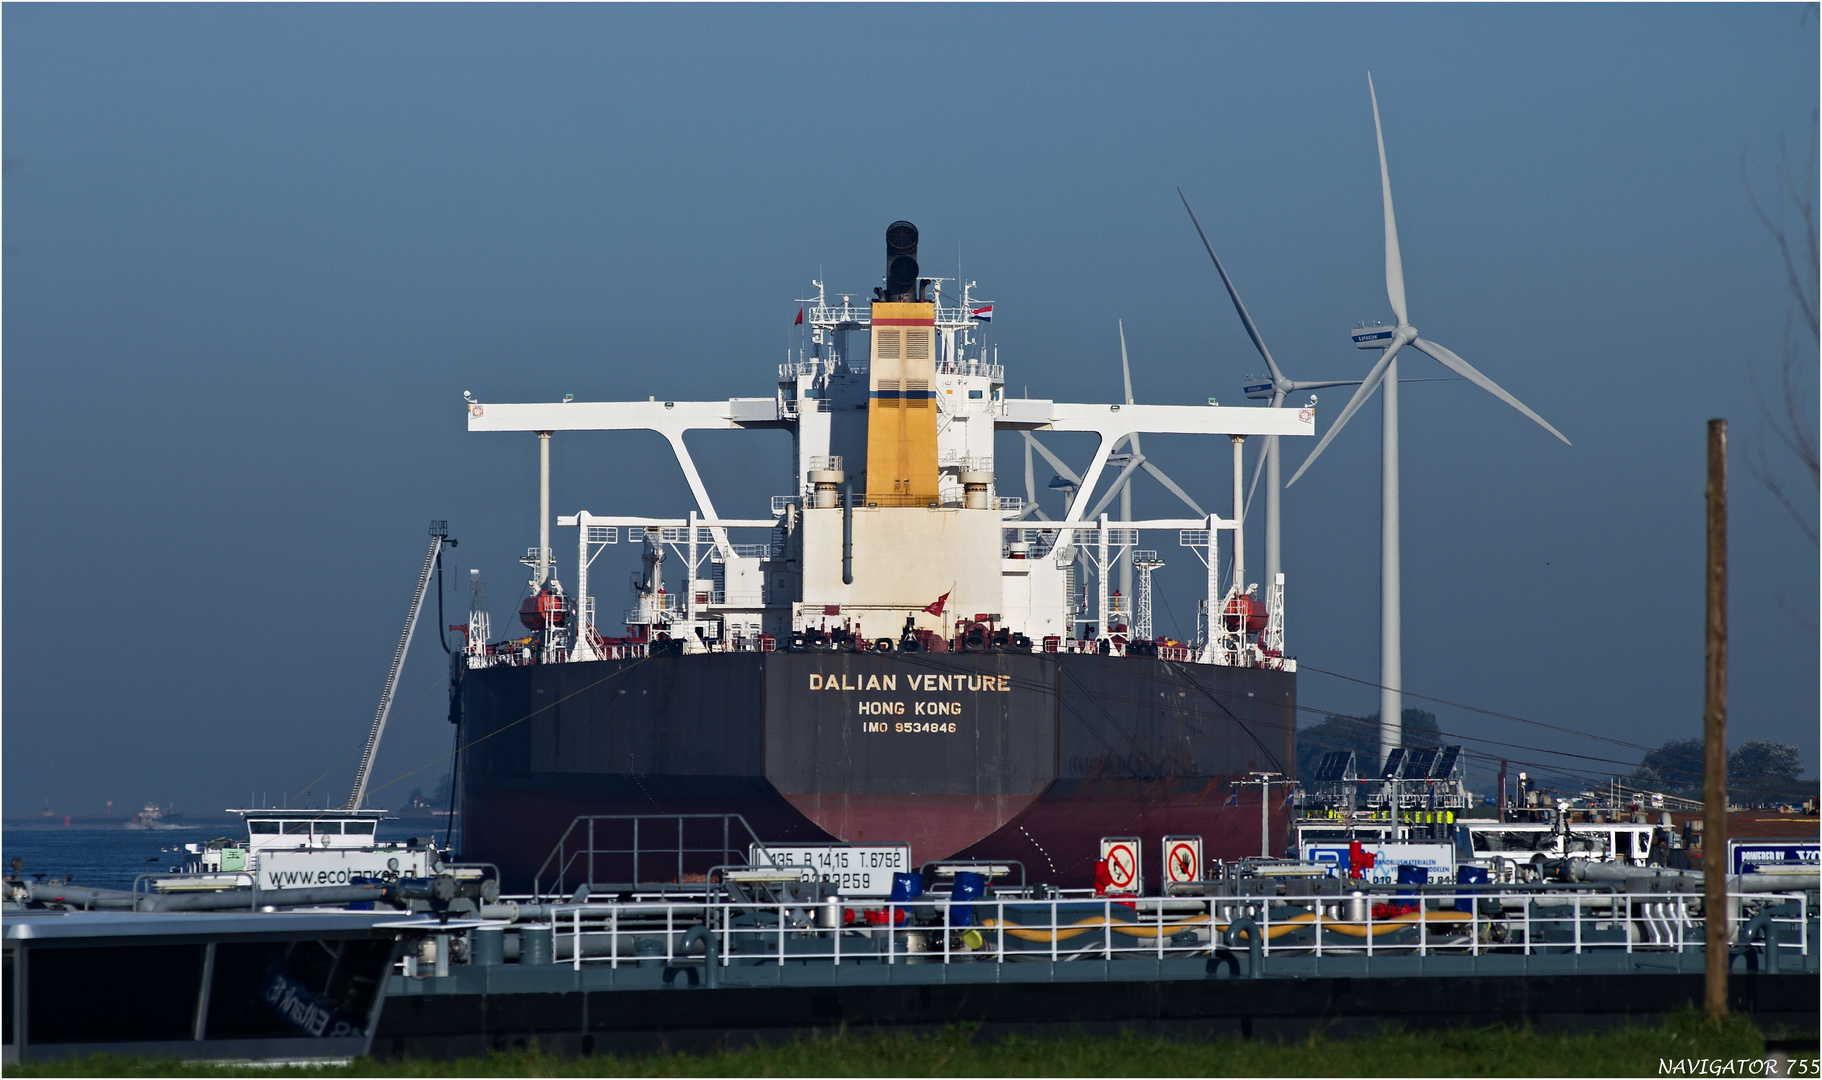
column 1502, row 792
column 1714, row 734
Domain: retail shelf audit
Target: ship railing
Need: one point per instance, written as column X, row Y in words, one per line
column 992, row 372
column 603, row 847
column 1773, row 932
column 761, row 552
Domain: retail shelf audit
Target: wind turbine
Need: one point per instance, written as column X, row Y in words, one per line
column 1280, row 387
column 1384, row 376
column 1130, row 464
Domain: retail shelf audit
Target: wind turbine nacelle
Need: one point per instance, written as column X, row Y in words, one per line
column 1377, row 336
column 1260, row 390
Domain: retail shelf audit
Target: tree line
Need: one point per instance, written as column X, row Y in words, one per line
column 1758, row 770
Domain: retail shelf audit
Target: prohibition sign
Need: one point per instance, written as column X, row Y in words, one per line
column 1181, row 862
column 1120, row 866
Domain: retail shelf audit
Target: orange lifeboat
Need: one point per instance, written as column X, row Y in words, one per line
column 1246, row 615
column 544, row 608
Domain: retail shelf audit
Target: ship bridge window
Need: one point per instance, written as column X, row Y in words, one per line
column 260, row 828
column 295, row 828
column 974, row 395
column 328, row 828
column 358, row 828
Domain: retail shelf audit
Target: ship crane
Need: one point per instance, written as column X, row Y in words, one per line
column 439, row 535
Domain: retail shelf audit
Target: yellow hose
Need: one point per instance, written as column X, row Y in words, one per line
column 1093, row 922
column 1277, row 929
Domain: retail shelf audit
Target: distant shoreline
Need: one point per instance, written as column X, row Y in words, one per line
column 180, row 821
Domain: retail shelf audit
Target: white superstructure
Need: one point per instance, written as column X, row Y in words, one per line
column 287, row 849
column 893, row 533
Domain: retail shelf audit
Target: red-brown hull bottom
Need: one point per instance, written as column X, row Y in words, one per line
column 1031, row 757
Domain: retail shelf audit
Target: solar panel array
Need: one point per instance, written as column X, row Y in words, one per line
column 1334, row 767
column 1416, row 763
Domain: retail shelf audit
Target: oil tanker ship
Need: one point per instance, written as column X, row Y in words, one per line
column 896, row 652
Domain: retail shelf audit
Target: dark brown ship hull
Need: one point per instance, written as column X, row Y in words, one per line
column 1000, row 755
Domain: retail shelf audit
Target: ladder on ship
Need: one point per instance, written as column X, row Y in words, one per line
column 439, row 533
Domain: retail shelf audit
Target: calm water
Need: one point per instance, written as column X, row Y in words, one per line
column 104, row 857
column 110, row 857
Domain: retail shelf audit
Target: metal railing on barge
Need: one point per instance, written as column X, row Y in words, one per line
column 1773, row 929
column 593, row 844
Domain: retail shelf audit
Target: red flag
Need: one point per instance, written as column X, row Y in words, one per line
column 936, row 609
column 799, row 321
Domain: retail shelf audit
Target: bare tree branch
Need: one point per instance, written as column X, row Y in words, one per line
column 1801, row 252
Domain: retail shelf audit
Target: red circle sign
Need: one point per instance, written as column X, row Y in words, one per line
column 1120, row 865
column 1182, row 862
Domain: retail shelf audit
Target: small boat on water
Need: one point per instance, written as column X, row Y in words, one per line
column 153, row 817
column 291, row 849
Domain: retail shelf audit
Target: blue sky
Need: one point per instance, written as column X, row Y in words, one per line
column 254, row 254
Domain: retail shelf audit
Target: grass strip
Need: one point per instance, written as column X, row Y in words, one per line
column 1628, row 1051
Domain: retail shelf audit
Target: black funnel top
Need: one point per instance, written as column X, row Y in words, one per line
column 901, row 262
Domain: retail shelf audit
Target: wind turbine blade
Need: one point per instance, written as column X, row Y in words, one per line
column 1258, row 470
column 1394, row 262
column 1056, row 463
column 1259, row 465
column 1125, row 368
column 1031, row 488
column 1245, row 319
column 1119, row 482
column 1126, row 372
column 1469, row 372
column 1296, row 386
column 1171, row 485
column 1031, row 483
column 1367, row 386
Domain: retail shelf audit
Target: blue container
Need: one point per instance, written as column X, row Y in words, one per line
column 1411, row 875
column 906, row 887
column 1468, row 875
column 968, row 886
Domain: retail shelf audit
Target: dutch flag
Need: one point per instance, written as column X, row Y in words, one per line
column 983, row 314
